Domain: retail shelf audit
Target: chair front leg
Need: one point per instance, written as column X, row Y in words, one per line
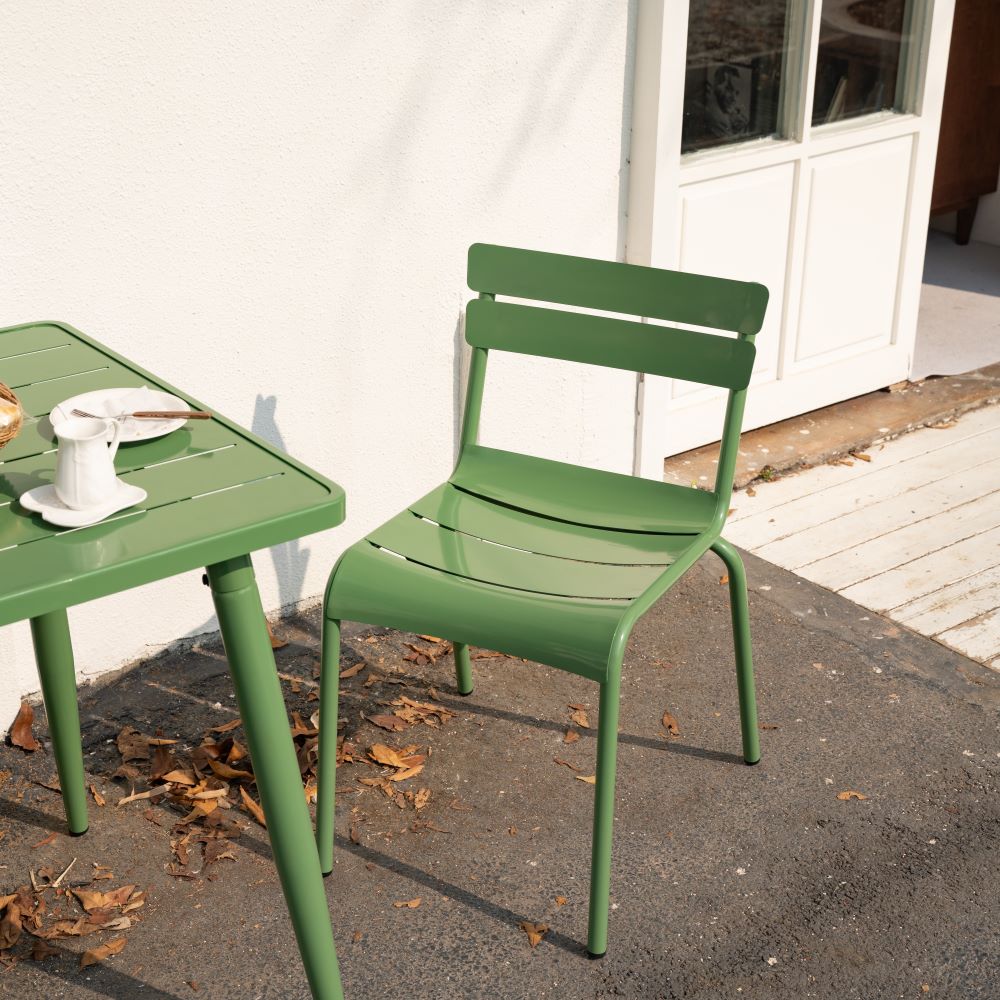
column 604, row 815
column 326, row 779
column 463, row 668
column 56, row 671
column 276, row 769
column 741, row 640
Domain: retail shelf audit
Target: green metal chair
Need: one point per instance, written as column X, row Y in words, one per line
column 548, row 561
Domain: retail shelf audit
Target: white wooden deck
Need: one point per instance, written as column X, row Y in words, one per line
column 914, row 534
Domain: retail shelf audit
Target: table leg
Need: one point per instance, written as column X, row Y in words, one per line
column 279, row 782
column 54, row 656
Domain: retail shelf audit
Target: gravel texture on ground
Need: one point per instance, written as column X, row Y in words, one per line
column 729, row 881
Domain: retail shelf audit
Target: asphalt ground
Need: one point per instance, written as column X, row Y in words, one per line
column 729, row 881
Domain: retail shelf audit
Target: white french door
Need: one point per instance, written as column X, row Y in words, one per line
column 809, row 142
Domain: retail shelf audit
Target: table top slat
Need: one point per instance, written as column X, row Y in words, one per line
column 43, row 366
column 38, row 398
column 19, row 341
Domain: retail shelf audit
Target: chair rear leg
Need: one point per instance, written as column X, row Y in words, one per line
column 604, row 816
column 741, row 640
column 326, row 778
column 463, row 668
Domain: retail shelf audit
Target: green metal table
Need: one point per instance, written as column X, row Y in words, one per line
column 215, row 494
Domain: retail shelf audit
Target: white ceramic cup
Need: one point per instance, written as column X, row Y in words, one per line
column 85, row 467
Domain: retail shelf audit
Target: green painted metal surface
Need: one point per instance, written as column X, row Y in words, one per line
column 57, row 673
column 590, row 497
column 550, row 561
column 612, row 343
column 216, row 493
column 276, row 769
column 674, row 296
column 477, row 559
column 454, row 508
column 224, row 492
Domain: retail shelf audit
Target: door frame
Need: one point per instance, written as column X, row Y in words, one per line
column 659, row 174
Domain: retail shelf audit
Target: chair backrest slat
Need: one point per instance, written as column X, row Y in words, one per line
column 674, row 296
column 611, row 342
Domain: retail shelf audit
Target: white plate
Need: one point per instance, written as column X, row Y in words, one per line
column 43, row 500
column 113, row 402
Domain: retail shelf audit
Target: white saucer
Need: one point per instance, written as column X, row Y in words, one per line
column 114, row 402
column 43, row 500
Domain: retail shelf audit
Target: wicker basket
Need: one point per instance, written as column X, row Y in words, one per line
column 9, row 432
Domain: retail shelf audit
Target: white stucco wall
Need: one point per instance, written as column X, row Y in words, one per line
column 270, row 204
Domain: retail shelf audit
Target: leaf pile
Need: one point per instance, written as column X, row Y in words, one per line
column 205, row 784
column 408, row 712
column 47, row 911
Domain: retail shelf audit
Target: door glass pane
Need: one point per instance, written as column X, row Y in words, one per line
column 859, row 53
column 736, row 58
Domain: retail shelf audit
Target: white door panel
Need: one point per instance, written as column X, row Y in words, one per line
column 854, row 233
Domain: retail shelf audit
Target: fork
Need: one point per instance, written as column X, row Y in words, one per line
column 151, row 415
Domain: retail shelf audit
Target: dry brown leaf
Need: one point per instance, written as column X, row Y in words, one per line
column 92, row 901
column 410, row 772
column 405, row 759
column 132, row 745
column 148, row 794
column 848, row 795
column 252, row 807
column 565, row 763
column 430, row 638
column 41, row 951
column 299, row 727
column 579, row 718
column 561, row 900
column 10, row 925
column 20, row 730
column 751, row 492
column 390, row 722
column 724, row 579
column 180, row 777
column 136, row 901
column 159, row 741
column 227, row 772
column 421, row 797
column 769, row 725
column 276, row 643
column 409, row 904
column 45, row 841
column 98, row 798
column 94, row 955
column 860, row 454
column 226, row 727
column 354, row 670
column 535, row 932
column 670, row 724
column 570, row 736
column 591, row 779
